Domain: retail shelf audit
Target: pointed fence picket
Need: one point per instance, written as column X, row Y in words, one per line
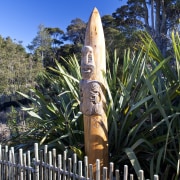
column 47, row 165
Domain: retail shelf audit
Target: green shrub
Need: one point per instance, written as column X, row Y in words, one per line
column 143, row 98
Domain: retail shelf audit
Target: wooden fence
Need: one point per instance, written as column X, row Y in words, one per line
column 46, row 165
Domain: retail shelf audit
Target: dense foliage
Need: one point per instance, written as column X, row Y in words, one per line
column 143, row 115
column 143, row 94
column 17, row 68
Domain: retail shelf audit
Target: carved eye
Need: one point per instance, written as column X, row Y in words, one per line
column 89, row 58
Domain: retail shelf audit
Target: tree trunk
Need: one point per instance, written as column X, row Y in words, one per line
column 157, row 24
column 146, row 17
column 152, row 17
column 161, row 29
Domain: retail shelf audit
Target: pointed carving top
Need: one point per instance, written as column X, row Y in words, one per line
column 94, row 38
column 95, row 10
column 95, row 15
column 94, row 31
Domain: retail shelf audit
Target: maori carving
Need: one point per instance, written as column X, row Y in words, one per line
column 87, row 63
column 91, row 95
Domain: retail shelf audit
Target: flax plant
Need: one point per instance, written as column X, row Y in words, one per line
column 55, row 111
column 143, row 109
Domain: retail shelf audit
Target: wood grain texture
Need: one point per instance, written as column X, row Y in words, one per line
column 94, row 37
column 95, row 126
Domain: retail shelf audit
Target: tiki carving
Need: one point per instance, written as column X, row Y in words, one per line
column 91, row 94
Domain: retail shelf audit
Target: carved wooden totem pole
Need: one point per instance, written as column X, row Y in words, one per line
column 92, row 89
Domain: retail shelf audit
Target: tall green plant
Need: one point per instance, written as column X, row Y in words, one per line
column 55, row 111
column 143, row 110
column 144, row 113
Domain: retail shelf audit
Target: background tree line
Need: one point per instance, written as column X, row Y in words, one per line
column 156, row 17
column 20, row 70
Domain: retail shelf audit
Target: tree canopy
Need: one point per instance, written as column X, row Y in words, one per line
column 50, row 44
column 17, row 68
column 156, row 17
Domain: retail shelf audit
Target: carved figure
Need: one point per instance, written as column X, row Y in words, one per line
column 91, row 94
column 87, row 63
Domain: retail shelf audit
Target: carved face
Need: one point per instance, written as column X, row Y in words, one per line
column 87, row 62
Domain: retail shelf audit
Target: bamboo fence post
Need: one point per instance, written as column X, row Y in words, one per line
column 6, row 160
column 141, row 175
column 54, row 163
column 111, row 170
column 125, row 172
column 36, row 162
column 64, row 165
column 45, row 161
column 59, row 166
column 117, row 175
column 41, row 175
column 79, row 170
column 74, row 166
column 21, row 164
column 156, row 177
column 1, row 160
column 29, row 164
column 86, row 167
column 50, row 165
column 92, row 93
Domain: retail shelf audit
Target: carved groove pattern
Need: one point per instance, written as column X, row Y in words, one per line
column 91, row 94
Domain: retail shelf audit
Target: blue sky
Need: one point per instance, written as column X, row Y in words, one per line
column 20, row 19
